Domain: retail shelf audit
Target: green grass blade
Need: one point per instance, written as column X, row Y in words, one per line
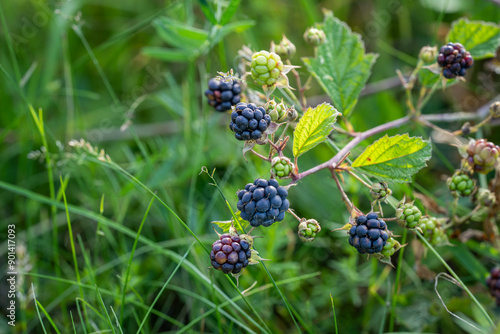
column 163, row 288
column 124, row 290
column 37, row 310
column 334, row 315
column 101, row 303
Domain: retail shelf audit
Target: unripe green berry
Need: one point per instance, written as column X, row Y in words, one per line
column 460, row 184
column 432, row 230
column 314, row 36
column 408, row 214
column 277, row 111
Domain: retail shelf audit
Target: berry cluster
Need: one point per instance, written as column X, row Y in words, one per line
column 223, row 94
column 230, row 254
column 461, row 184
column 482, row 155
column 493, row 283
column 249, row 121
column 369, row 235
column 408, row 214
column 454, row 60
column 263, row 202
column 432, row 230
column 266, row 67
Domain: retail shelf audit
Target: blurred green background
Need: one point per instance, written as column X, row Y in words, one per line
column 95, row 70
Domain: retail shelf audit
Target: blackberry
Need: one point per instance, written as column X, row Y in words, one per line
column 281, row 167
column 222, row 93
column 230, row 253
column 314, row 36
column 308, row 228
column 454, row 60
column 266, row 67
column 482, row 155
column 460, row 184
column 369, row 235
column 380, row 191
column 432, row 230
column 249, row 121
column 493, row 283
column 263, row 202
column 408, row 214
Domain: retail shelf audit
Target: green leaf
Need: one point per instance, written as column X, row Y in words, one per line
column 313, row 128
column 166, row 54
column 394, row 159
column 428, row 78
column 207, row 10
column 224, row 225
column 341, row 66
column 480, row 38
column 180, row 35
column 230, row 10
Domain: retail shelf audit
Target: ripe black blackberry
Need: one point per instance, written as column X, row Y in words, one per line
column 222, row 93
column 454, row 59
column 493, row 283
column 369, row 235
column 263, row 202
column 249, row 121
column 230, row 254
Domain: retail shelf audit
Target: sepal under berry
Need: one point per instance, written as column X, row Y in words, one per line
column 495, row 109
column 314, row 36
column 282, row 167
column 485, row 197
column 428, row 54
column 408, row 214
column 308, row 229
column 285, row 49
column 380, row 191
column 460, row 184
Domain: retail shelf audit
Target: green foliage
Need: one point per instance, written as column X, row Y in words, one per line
column 313, row 128
column 341, row 65
column 480, row 38
column 394, row 159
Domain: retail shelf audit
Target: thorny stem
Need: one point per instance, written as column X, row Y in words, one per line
column 294, row 214
column 360, row 136
column 346, row 200
column 358, row 178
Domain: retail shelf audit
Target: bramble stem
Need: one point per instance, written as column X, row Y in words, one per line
column 358, row 178
column 260, row 155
